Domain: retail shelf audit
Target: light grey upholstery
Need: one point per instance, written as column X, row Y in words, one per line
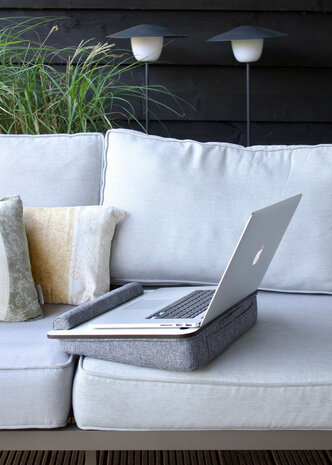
column 35, row 374
column 276, row 376
column 188, row 203
column 52, row 170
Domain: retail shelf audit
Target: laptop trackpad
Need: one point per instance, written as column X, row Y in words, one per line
column 148, row 304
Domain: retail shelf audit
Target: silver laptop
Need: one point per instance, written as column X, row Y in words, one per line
column 183, row 310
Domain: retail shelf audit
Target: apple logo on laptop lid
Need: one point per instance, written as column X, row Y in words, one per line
column 257, row 256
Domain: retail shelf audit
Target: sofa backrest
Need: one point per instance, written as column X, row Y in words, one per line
column 188, row 202
column 52, row 170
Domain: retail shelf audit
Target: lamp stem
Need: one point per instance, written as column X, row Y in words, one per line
column 248, row 104
column 147, row 97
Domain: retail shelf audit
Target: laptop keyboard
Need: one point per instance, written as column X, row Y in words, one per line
column 187, row 307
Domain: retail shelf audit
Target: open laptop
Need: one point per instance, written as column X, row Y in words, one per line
column 182, row 310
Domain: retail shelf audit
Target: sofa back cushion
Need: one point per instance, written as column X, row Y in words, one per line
column 188, row 202
column 52, row 170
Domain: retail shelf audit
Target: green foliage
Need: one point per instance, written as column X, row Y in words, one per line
column 88, row 90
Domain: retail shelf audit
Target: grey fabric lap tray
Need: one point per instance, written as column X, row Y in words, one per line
column 185, row 353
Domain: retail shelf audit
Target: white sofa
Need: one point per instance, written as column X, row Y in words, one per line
column 186, row 204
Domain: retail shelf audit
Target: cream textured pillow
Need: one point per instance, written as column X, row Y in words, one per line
column 70, row 250
column 18, row 296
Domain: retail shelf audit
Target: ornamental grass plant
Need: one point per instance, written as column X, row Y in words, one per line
column 44, row 89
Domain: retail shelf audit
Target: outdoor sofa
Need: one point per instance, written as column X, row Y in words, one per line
column 186, row 205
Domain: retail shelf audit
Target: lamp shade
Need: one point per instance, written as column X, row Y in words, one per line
column 146, row 40
column 245, row 33
column 146, row 30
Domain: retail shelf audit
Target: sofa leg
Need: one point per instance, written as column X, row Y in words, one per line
column 90, row 457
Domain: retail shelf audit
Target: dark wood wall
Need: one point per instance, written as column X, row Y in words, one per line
column 291, row 83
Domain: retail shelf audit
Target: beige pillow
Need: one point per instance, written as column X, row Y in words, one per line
column 70, row 250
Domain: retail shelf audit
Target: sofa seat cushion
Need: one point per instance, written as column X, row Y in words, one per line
column 35, row 374
column 276, row 376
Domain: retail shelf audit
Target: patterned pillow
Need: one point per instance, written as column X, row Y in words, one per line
column 18, row 296
column 70, row 250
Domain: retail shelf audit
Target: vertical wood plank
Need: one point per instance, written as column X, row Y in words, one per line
column 329, row 456
column 259, row 457
column 10, row 457
column 193, row 457
column 109, row 457
column 116, row 457
column 300, row 457
column 3, row 457
column 45, row 455
column 179, row 457
column 138, row 457
column 60, row 457
column 144, row 457
column 67, row 458
column 39, row 458
column 151, row 457
column 32, row 457
column 131, row 457
column 280, row 457
column 53, row 458
column 164, row 457
column 230, row 458
column 215, row 459
column 74, row 458
column 18, row 458
column 123, row 457
column 200, row 457
column 101, row 457
column 158, row 457
column 171, row 457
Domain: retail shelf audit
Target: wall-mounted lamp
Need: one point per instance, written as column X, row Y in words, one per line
column 146, row 42
column 247, row 45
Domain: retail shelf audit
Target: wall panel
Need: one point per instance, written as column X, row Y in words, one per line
column 291, row 84
column 201, row 5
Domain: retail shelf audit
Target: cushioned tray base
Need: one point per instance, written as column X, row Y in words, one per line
column 184, row 353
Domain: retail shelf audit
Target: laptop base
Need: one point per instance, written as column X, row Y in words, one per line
column 176, row 353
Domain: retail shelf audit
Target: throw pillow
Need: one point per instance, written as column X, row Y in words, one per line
column 18, row 296
column 70, row 250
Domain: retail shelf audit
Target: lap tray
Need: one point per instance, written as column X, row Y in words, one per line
column 179, row 353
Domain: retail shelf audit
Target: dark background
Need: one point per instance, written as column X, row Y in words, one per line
column 291, row 83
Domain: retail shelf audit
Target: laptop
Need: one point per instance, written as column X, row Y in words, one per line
column 181, row 310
